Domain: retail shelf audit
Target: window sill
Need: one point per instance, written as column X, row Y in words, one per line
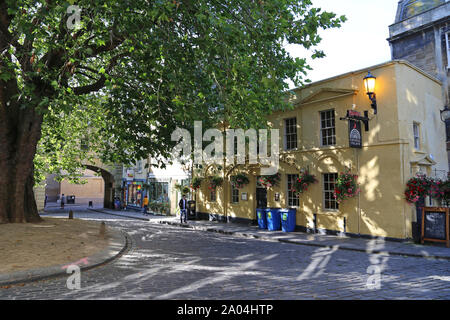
column 331, row 211
column 331, row 146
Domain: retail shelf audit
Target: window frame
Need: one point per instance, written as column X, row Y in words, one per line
column 292, row 199
column 325, row 129
column 329, row 192
column 234, row 195
column 417, row 139
column 293, row 137
column 447, row 44
column 211, row 197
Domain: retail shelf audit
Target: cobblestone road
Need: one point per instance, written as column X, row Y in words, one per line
column 167, row 262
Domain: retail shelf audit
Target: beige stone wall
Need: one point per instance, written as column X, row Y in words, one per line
column 92, row 190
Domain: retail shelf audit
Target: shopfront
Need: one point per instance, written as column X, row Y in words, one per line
column 158, row 194
column 135, row 193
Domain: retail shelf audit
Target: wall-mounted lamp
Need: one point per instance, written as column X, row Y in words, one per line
column 445, row 114
column 369, row 84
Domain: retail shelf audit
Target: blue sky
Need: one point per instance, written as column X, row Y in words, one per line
column 359, row 43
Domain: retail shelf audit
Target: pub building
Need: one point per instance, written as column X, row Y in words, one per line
column 381, row 124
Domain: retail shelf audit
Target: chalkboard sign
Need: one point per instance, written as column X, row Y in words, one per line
column 435, row 225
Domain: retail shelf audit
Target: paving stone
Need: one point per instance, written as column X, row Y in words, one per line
column 170, row 262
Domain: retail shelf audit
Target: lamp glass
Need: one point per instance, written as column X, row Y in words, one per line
column 369, row 83
column 445, row 114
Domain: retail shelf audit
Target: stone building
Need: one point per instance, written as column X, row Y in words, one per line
column 158, row 184
column 421, row 36
column 405, row 136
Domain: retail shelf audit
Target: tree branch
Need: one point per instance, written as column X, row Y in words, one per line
column 100, row 83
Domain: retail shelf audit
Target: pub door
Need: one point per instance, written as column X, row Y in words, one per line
column 416, row 226
column 261, row 198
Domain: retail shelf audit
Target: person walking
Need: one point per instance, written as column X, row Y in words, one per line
column 183, row 209
column 63, row 200
column 145, row 205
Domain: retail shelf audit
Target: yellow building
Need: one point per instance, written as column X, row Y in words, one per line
column 405, row 136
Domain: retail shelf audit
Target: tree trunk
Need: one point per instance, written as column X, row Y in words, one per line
column 20, row 129
column 18, row 142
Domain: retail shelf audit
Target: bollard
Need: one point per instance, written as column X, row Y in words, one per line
column 102, row 229
column 70, row 214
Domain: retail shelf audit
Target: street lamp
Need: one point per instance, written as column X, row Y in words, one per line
column 445, row 114
column 369, row 84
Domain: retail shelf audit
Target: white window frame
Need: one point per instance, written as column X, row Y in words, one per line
column 293, row 200
column 213, row 195
column 290, row 134
column 447, row 44
column 325, row 129
column 416, row 136
column 233, row 196
column 329, row 192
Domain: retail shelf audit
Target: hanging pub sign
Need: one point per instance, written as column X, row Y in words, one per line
column 354, row 133
column 354, row 119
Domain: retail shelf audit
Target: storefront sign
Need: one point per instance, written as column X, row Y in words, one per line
column 354, row 134
column 130, row 175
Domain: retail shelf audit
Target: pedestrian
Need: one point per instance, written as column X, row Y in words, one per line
column 145, row 204
column 63, row 199
column 183, row 209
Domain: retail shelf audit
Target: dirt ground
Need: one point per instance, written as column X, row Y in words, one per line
column 52, row 242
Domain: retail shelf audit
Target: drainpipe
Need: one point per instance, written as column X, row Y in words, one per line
column 359, row 194
column 225, row 190
column 225, row 180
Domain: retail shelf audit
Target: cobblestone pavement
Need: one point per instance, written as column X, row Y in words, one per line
column 168, row 262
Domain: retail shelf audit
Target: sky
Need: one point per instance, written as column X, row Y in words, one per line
column 359, row 43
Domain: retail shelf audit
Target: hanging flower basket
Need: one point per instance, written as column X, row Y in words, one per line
column 214, row 182
column 182, row 189
column 239, row 180
column 422, row 186
column 442, row 191
column 302, row 183
column 346, row 186
column 417, row 187
column 196, row 183
column 270, row 181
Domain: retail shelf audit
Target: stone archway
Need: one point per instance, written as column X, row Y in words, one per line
column 108, row 179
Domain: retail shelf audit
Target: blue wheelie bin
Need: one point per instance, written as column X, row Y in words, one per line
column 288, row 219
column 261, row 214
column 273, row 219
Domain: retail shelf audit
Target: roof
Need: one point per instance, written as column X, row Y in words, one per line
column 381, row 65
column 409, row 8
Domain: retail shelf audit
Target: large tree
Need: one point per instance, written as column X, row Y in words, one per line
column 131, row 71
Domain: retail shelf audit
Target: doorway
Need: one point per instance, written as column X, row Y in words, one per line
column 261, row 198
